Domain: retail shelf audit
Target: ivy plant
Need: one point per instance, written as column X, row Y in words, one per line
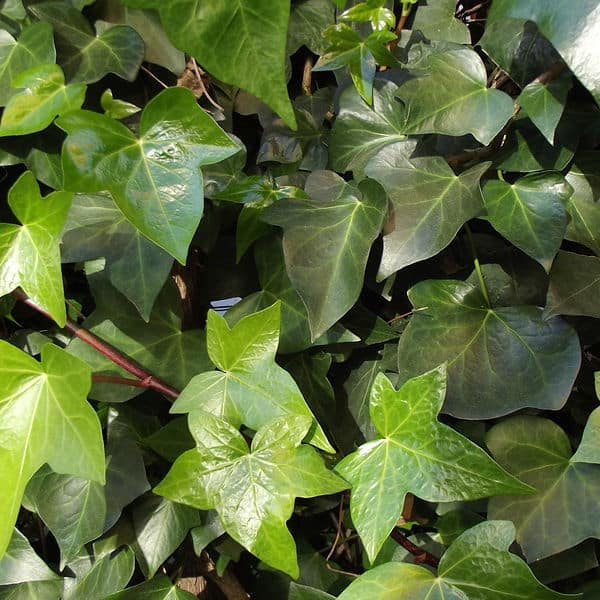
column 299, row 299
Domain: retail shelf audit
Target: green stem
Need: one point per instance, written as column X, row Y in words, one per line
column 500, row 176
column 482, row 285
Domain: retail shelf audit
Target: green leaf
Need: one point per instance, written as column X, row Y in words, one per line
column 73, row 509
column 37, row 398
column 477, row 566
column 252, row 490
column 544, row 103
column 36, row 590
column 561, row 23
column 538, row 451
column 583, row 206
column 159, row 588
column 465, row 106
column 358, row 391
column 361, row 56
column 249, row 387
column 436, row 20
column 171, row 440
column 499, row 359
column 574, row 286
column 116, row 109
column 96, row 228
column 154, row 179
column 373, row 11
column 29, row 254
column 303, row 592
column 44, row 96
column 430, row 204
column 242, row 43
column 308, row 20
column 530, row 213
column 359, row 130
column 35, row 46
column 20, row 563
column 327, row 267
column 415, row 454
column 160, row 527
column 86, row 57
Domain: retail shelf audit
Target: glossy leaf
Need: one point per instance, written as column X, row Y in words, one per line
column 466, row 105
column 417, row 454
column 437, row 21
column 29, row 254
column 86, row 57
column 21, row 564
column 115, row 108
column 95, row 228
column 308, row 20
column 327, row 267
column 46, row 420
column 159, row 588
column 530, row 213
column 35, row 46
column 254, row 489
column 538, row 451
column 499, row 359
column 43, row 97
column 249, row 387
column 373, row 11
column 430, row 204
column 154, row 179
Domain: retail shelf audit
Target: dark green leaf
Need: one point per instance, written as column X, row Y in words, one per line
column 159, row 588
column 20, row 563
column 435, row 18
column 171, row 440
column 308, row 20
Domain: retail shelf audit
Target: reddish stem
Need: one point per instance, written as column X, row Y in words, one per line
column 421, row 555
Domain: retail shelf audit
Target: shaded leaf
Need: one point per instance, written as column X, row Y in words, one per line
column 171, row 440
column 308, row 20
column 21, row 564
column 159, row 588
column 435, row 18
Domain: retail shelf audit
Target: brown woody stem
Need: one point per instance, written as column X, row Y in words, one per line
column 421, row 555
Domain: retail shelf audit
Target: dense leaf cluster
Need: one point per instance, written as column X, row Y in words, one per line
column 299, row 299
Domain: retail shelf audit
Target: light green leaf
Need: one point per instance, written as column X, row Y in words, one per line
column 574, row 286
column 35, row 46
column 252, row 490
column 327, row 266
column 159, row 588
column 499, row 359
column 538, row 451
column 308, row 20
column 249, row 387
column 154, row 179
column 96, row 228
column 115, row 108
column 430, row 204
column 29, row 254
column 44, row 96
column 86, row 57
column 373, row 11
column 38, row 398
column 530, row 213
column 242, row 43
column 464, row 105
column 20, row 563
column 436, row 20
column 415, row 454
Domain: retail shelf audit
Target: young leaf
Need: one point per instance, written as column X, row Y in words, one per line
column 415, row 454
column 564, row 511
column 115, row 108
column 499, row 359
column 35, row 46
column 50, row 422
column 249, row 387
column 373, row 11
column 252, row 490
column 44, row 96
column 327, row 267
column 29, row 254
column 154, row 179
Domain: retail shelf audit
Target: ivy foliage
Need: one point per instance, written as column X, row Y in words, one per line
column 299, row 299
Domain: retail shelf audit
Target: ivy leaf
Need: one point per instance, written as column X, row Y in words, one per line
column 159, row 588
column 415, row 454
column 584, row 206
column 35, row 46
column 430, row 204
column 499, row 359
column 20, row 563
column 574, row 286
column 249, row 387
column 38, row 398
column 29, row 254
column 465, row 106
column 538, row 451
column 252, row 490
column 242, row 43
column 358, row 390
column 373, row 11
column 85, row 57
column 154, row 179
column 308, row 20
column 44, row 96
column 530, row 213
column 96, row 228
column 348, row 49
column 560, row 23
column 327, row 267
column 477, row 566
column 115, row 108
column 437, row 21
